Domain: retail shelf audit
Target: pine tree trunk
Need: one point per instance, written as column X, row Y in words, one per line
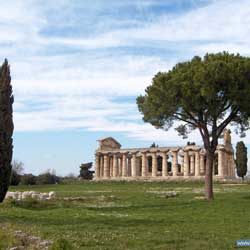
column 6, row 129
column 209, row 176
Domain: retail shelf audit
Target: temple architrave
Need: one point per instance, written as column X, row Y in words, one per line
column 189, row 162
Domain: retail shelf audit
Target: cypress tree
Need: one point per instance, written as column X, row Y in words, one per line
column 241, row 159
column 6, row 128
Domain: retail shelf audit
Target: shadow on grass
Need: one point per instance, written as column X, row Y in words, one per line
column 31, row 204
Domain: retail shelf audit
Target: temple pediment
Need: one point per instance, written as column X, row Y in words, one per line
column 186, row 162
column 109, row 143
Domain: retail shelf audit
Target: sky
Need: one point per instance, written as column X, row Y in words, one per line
column 78, row 66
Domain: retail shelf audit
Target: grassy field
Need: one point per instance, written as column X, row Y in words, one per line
column 134, row 215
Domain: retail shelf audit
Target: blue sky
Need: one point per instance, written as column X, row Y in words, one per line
column 77, row 67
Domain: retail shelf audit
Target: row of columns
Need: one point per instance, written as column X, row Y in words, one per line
column 127, row 165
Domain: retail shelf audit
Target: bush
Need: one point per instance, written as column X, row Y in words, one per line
column 47, row 178
column 28, row 179
column 69, row 179
column 61, row 244
column 15, row 178
column 6, row 239
column 17, row 169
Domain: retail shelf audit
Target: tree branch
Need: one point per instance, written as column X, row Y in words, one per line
column 226, row 121
column 184, row 120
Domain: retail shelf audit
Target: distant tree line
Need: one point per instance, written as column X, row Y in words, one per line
column 18, row 177
column 48, row 177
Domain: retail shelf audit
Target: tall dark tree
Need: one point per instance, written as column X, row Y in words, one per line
column 241, row 159
column 6, row 128
column 206, row 94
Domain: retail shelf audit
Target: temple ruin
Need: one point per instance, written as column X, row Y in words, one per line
column 155, row 163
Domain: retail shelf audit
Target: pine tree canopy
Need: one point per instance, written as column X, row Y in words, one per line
column 207, row 94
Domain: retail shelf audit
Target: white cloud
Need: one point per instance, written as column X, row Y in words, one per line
column 81, row 89
column 212, row 25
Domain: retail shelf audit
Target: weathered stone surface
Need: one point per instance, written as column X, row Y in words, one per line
column 188, row 162
column 30, row 194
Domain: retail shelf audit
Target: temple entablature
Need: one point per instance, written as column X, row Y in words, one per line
column 114, row 162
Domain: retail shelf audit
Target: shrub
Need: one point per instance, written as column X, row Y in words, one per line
column 61, row 244
column 15, row 178
column 6, row 240
column 69, row 179
column 28, row 179
column 17, row 170
column 47, row 178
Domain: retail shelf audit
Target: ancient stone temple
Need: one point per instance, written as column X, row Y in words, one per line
column 188, row 162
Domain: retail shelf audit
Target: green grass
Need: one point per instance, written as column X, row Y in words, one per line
column 122, row 215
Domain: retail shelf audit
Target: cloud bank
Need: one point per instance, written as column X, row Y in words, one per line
column 81, row 65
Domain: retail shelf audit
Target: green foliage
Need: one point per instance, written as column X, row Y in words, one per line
column 85, row 172
column 47, row 178
column 241, row 159
column 205, row 94
column 153, row 145
column 28, row 179
column 202, row 93
column 6, row 240
column 17, row 166
column 61, row 244
column 32, row 204
column 191, row 143
column 17, row 170
column 15, row 178
column 137, row 216
column 6, row 128
column 25, row 203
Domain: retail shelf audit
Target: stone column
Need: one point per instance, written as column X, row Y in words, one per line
column 120, row 167
column 220, row 162
column 144, row 165
column 164, row 165
column 97, row 166
column 197, row 163
column 232, row 166
column 124, row 165
column 115, row 166
column 129, row 166
column 225, row 164
column 202, row 163
column 192, row 166
column 106, row 166
column 101, row 166
column 154, row 165
column 134, row 165
column 186, row 163
column 175, row 163
column 214, row 170
column 182, row 164
column 111, row 166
